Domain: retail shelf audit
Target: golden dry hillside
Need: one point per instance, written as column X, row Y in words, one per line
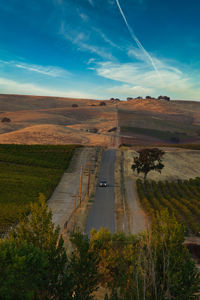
column 158, row 121
column 55, row 120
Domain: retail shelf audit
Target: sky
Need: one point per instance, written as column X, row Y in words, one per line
column 100, row 49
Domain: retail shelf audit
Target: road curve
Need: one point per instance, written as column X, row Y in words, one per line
column 102, row 213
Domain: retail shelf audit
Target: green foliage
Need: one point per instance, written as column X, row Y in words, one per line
column 169, row 270
column 38, row 230
column 26, row 171
column 116, row 254
column 152, row 265
column 84, row 268
column 148, row 160
column 22, row 270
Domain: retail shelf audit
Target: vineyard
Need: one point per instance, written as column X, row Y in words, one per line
column 26, row 171
column 181, row 197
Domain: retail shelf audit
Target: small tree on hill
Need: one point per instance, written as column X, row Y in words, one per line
column 148, row 160
column 5, row 119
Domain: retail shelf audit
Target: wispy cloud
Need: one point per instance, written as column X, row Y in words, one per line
column 91, row 2
column 81, row 40
column 139, row 44
column 12, row 86
column 139, row 79
column 51, row 71
column 84, row 17
column 126, row 90
column 91, row 60
column 106, row 39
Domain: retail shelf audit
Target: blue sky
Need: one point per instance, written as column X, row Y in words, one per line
column 100, row 48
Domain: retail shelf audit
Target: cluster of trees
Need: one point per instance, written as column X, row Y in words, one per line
column 181, row 198
column 166, row 98
column 151, row 265
column 114, row 100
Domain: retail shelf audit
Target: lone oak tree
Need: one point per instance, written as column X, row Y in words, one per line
column 148, row 160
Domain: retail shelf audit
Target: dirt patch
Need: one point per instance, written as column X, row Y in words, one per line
column 66, row 195
column 138, row 221
column 121, row 209
column 130, row 218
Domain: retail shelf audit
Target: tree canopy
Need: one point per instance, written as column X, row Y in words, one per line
column 148, row 160
column 151, row 265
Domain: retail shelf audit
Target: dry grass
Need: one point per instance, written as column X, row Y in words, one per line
column 53, row 134
column 53, row 120
column 179, row 164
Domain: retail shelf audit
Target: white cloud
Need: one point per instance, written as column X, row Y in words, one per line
column 11, row 86
column 139, row 79
column 51, row 71
column 127, row 90
column 160, row 64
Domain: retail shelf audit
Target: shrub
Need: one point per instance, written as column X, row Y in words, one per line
column 4, row 120
column 74, row 105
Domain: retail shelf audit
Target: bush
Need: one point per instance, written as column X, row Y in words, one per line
column 6, row 120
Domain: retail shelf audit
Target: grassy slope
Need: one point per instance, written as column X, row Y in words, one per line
column 26, row 171
column 161, row 120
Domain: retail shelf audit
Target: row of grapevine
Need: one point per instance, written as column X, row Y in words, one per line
column 26, row 171
column 182, row 198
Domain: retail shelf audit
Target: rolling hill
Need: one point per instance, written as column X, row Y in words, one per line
column 54, row 120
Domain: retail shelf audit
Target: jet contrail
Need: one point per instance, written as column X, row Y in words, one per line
column 134, row 37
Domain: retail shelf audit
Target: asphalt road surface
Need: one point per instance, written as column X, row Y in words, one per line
column 102, row 213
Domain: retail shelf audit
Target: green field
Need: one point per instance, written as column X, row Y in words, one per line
column 26, row 171
column 182, row 198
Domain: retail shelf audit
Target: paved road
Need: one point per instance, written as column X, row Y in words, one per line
column 102, row 213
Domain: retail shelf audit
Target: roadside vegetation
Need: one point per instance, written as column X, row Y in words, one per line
column 151, row 265
column 26, row 171
column 181, row 197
